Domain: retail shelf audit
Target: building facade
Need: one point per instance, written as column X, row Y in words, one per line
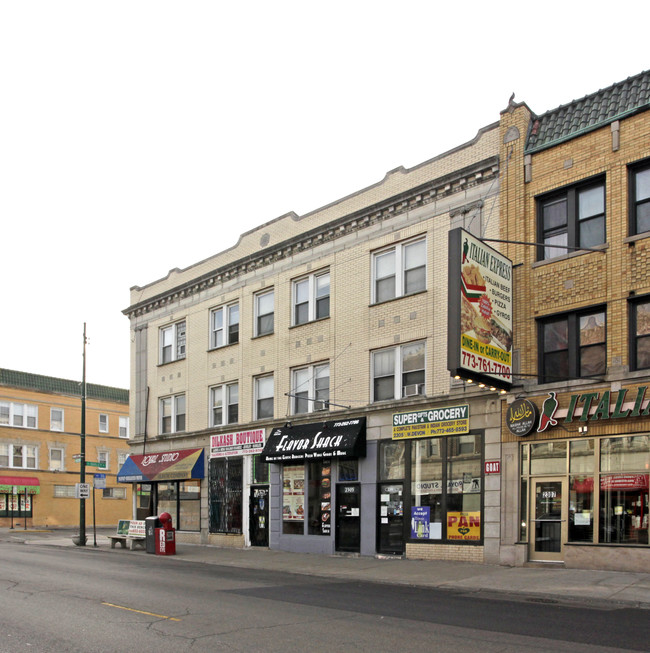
column 40, row 426
column 293, row 391
column 575, row 454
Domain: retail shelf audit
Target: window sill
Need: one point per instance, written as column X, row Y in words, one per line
column 570, row 255
column 178, row 360
column 230, row 344
column 394, row 299
column 631, row 240
column 263, row 335
column 320, row 319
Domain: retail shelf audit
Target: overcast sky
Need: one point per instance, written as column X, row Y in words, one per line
column 136, row 137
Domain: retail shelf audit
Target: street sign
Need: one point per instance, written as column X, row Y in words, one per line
column 82, row 491
column 76, row 457
column 100, row 481
column 102, row 465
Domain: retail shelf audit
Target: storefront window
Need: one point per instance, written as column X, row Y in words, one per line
column 168, row 499
column 426, row 483
column 320, row 497
column 523, row 510
column 581, row 507
column 260, row 470
column 524, row 459
column 348, row 470
column 464, row 487
column 548, row 457
column 581, row 456
column 391, row 460
column 293, row 500
column 624, row 496
column 226, row 487
column 189, row 505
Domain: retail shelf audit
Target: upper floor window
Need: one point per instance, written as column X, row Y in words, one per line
column 264, row 397
column 121, row 457
column 639, row 190
column 224, row 326
column 103, row 459
column 172, row 343
column 573, row 217
column 310, row 388
column 18, row 456
column 124, row 426
column 224, row 404
column 264, row 308
column 572, row 346
column 399, row 270
column 103, row 423
column 398, row 372
column 56, row 419
column 311, row 298
column 15, row 414
column 56, row 459
column 172, row 414
column 640, row 334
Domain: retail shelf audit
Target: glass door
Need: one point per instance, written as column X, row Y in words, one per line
column 258, row 515
column 391, row 519
column 548, row 530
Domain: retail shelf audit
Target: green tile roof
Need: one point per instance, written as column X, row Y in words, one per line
column 593, row 111
column 28, row 381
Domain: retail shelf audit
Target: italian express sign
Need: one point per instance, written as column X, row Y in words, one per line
column 449, row 420
column 479, row 329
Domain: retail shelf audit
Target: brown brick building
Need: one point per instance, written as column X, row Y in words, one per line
column 40, row 423
column 576, row 181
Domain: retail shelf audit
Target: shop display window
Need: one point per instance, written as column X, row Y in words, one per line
column 581, row 507
column 427, row 483
column 581, row 456
column 320, row 497
column 189, row 506
column 226, row 488
column 293, row 499
column 523, row 510
column 548, row 457
column 260, row 470
column 348, row 470
column 391, row 460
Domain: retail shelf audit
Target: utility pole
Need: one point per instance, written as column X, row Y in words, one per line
column 82, row 471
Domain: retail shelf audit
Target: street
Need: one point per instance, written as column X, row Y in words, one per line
column 83, row 599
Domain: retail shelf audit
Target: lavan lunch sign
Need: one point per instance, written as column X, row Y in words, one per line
column 523, row 416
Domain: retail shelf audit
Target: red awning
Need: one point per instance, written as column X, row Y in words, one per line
column 8, row 483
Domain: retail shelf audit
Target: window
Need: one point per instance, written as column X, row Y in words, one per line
column 172, row 414
column 224, row 404
column 398, row 372
column 264, row 307
column 640, row 198
column 311, row 298
column 64, row 491
column 573, row 346
column 172, row 343
column 263, row 397
column 226, row 495
column 640, row 334
column 18, row 456
column 56, row 460
column 293, row 499
column 310, row 388
column 114, row 493
column 124, row 426
column 103, row 459
column 21, row 415
column 574, row 217
column 224, row 326
column 121, row 458
column 103, row 423
column 56, row 419
column 400, row 270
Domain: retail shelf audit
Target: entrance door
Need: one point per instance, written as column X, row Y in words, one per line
column 258, row 516
column 348, row 517
column 548, row 530
column 391, row 518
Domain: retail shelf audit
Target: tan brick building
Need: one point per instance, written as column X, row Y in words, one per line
column 576, row 180
column 40, row 426
column 314, row 332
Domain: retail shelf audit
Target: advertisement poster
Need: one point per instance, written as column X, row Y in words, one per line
column 464, row 526
column 237, row 444
column 480, row 300
column 420, row 521
column 326, row 498
column 293, row 493
column 449, row 420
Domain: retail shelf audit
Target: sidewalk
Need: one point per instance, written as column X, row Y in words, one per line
column 606, row 588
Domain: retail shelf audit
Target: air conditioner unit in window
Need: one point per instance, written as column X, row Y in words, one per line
column 320, row 405
column 413, row 389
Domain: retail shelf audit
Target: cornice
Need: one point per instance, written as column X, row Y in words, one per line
column 413, row 198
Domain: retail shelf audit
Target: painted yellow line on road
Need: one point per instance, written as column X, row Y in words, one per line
column 149, row 614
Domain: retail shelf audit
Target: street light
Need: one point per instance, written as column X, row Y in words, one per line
column 80, row 540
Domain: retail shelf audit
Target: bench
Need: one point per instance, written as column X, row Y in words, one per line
column 131, row 532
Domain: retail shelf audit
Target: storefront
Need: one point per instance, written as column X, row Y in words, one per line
column 583, row 464
column 167, row 481
column 320, row 483
column 17, row 498
column 238, row 489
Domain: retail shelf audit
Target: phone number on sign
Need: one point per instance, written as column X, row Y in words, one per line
column 480, row 364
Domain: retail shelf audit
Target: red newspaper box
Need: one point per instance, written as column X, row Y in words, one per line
column 165, row 536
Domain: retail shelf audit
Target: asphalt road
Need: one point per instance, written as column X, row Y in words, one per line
column 77, row 599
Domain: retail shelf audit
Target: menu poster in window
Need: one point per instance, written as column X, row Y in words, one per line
column 293, row 493
column 326, row 497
